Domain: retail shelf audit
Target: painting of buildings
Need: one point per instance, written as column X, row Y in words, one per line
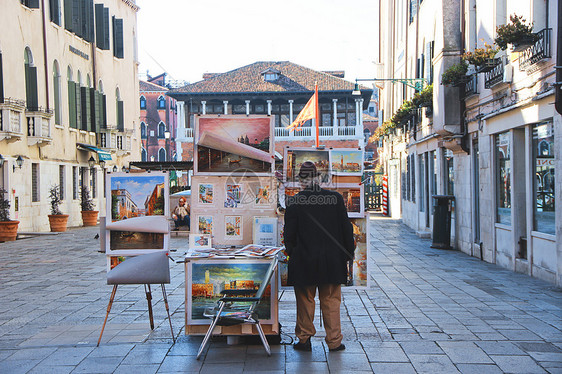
column 205, row 224
column 208, row 280
column 130, row 192
column 205, row 193
column 346, row 162
column 296, row 157
column 233, row 226
column 128, row 240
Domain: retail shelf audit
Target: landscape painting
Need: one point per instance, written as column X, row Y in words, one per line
column 127, row 240
column 296, row 157
column 137, row 195
column 233, row 227
column 234, row 145
column 209, row 279
column 205, row 193
column 205, row 224
column 346, row 162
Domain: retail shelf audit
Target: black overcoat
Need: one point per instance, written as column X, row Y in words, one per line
column 318, row 238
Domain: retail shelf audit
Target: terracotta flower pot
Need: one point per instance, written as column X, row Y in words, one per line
column 58, row 222
column 8, row 230
column 89, row 217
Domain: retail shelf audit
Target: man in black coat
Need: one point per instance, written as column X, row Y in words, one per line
column 319, row 241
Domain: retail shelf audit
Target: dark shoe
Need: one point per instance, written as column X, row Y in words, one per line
column 337, row 349
column 303, row 346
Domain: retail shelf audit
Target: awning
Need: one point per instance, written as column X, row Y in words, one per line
column 102, row 155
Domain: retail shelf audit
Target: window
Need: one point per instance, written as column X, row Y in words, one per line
column 413, row 9
column 366, row 135
column 34, row 4
column 34, row 182
column 161, row 102
column 54, row 11
column 143, row 155
column 161, row 130
column 56, row 92
column 503, row 178
column 62, row 181
column 71, row 98
column 448, row 164
column 161, row 154
column 79, row 18
column 413, row 165
column 93, row 183
column 422, row 182
column 428, row 57
column 543, row 159
column 117, row 37
column 143, row 102
column 30, row 81
column 143, row 130
column 102, row 27
column 433, row 173
column 74, row 182
column 119, row 111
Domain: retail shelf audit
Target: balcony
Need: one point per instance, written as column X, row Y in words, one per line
column 38, row 123
column 11, row 113
column 185, row 135
column 537, row 52
column 471, row 87
column 336, row 133
column 501, row 73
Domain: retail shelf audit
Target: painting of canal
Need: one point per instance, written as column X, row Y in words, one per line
column 346, row 162
column 208, row 280
column 137, row 195
column 296, row 157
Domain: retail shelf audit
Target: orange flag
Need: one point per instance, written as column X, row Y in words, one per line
column 308, row 112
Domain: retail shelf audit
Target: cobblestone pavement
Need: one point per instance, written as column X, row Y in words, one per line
column 427, row 311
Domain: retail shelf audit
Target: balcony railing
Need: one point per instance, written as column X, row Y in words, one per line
column 324, row 131
column 11, row 113
column 38, row 126
column 537, row 52
column 185, row 133
column 471, row 87
column 495, row 75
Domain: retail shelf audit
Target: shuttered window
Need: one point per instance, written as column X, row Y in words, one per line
column 34, row 182
column 34, row 4
column 87, row 19
column 78, row 106
column 72, row 104
column 85, row 109
column 62, row 181
column 54, row 11
column 117, row 37
column 103, row 107
column 120, row 116
column 94, row 110
column 68, row 14
column 102, row 27
column 31, row 87
column 74, row 182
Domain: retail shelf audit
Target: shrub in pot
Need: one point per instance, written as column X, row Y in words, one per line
column 8, row 228
column 517, row 33
column 482, row 58
column 455, row 74
column 57, row 220
column 89, row 215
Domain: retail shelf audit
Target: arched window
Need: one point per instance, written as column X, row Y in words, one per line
column 88, row 81
column 100, row 87
column 161, row 102
column 71, row 98
column 30, row 81
column 143, row 155
column 143, row 102
column 161, row 130
column 143, row 130
column 57, row 92
column 161, row 154
column 367, row 135
column 119, row 111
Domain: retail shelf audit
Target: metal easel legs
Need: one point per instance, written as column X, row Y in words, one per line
column 107, row 313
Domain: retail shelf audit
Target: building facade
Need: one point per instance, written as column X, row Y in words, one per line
column 492, row 140
column 68, row 93
column 280, row 89
column 157, row 122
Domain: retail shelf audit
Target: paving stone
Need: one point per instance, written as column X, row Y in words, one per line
column 500, row 348
column 432, row 364
column 479, row 369
column 517, row 364
column 465, row 353
column 392, row 367
column 386, row 355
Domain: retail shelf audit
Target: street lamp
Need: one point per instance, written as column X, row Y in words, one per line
column 115, row 168
column 19, row 162
column 91, row 162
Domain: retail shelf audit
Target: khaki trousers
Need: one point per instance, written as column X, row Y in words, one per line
column 330, row 300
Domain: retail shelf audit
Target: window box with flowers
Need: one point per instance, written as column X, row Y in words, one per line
column 517, row 33
column 455, row 75
column 483, row 58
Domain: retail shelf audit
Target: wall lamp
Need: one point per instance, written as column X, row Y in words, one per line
column 91, row 162
column 102, row 164
column 115, row 168
column 19, row 162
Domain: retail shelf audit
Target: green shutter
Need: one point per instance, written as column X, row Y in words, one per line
column 106, row 28
column 31, row 87
column 54, row 11
column 120, row 117
column 56, row 95
column 97, row 111
column 78, row 106
column 77, row 17
column 99, row 26
column 68, row 14
column 34, row 4
column 104, row 112
column 72, row 104
column 92, row 110
column 118, row 37
column 85, row 103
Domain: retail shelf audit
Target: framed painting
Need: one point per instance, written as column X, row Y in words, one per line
column 207, row 278
column 137, row 195
column 233, row 227
column 346, row 161
column 241, row 145
column 263, row 195
column 205, row 193
column 199, row 241
column 353, row 197
column 358, row 273
column 294, row 158
column 234, row 195
column 205, row 225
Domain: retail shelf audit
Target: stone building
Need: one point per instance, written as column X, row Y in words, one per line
column 280, row 89
column 157, row 121
column 492, row 140
column 68, row 93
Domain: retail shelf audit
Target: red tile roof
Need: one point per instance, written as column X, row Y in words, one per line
column 249, row 78
column 148, row 86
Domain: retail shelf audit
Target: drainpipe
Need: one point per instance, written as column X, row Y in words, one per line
column 465, row 140
column 45, row 55
column 558, row 100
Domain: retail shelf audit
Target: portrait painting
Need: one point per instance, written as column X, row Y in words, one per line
column 137, row 195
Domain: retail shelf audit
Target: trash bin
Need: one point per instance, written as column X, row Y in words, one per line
column 442, row 205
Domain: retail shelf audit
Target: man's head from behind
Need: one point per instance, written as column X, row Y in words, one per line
column 307, row 174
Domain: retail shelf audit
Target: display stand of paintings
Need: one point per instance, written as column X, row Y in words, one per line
column 138, row 210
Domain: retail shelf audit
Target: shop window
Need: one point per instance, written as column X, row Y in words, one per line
column 544, row 163
column 503, row 178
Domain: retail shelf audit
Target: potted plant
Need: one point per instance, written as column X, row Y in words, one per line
column 517, row 33
column 89, row 215
column 57, row 220
column 483, row 58
column 455, row 75
column 8, row 228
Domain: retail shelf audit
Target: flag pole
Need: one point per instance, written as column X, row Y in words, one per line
column 317, row 113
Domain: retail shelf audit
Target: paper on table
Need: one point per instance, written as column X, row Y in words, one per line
column 157, row 224
column 214, row 141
